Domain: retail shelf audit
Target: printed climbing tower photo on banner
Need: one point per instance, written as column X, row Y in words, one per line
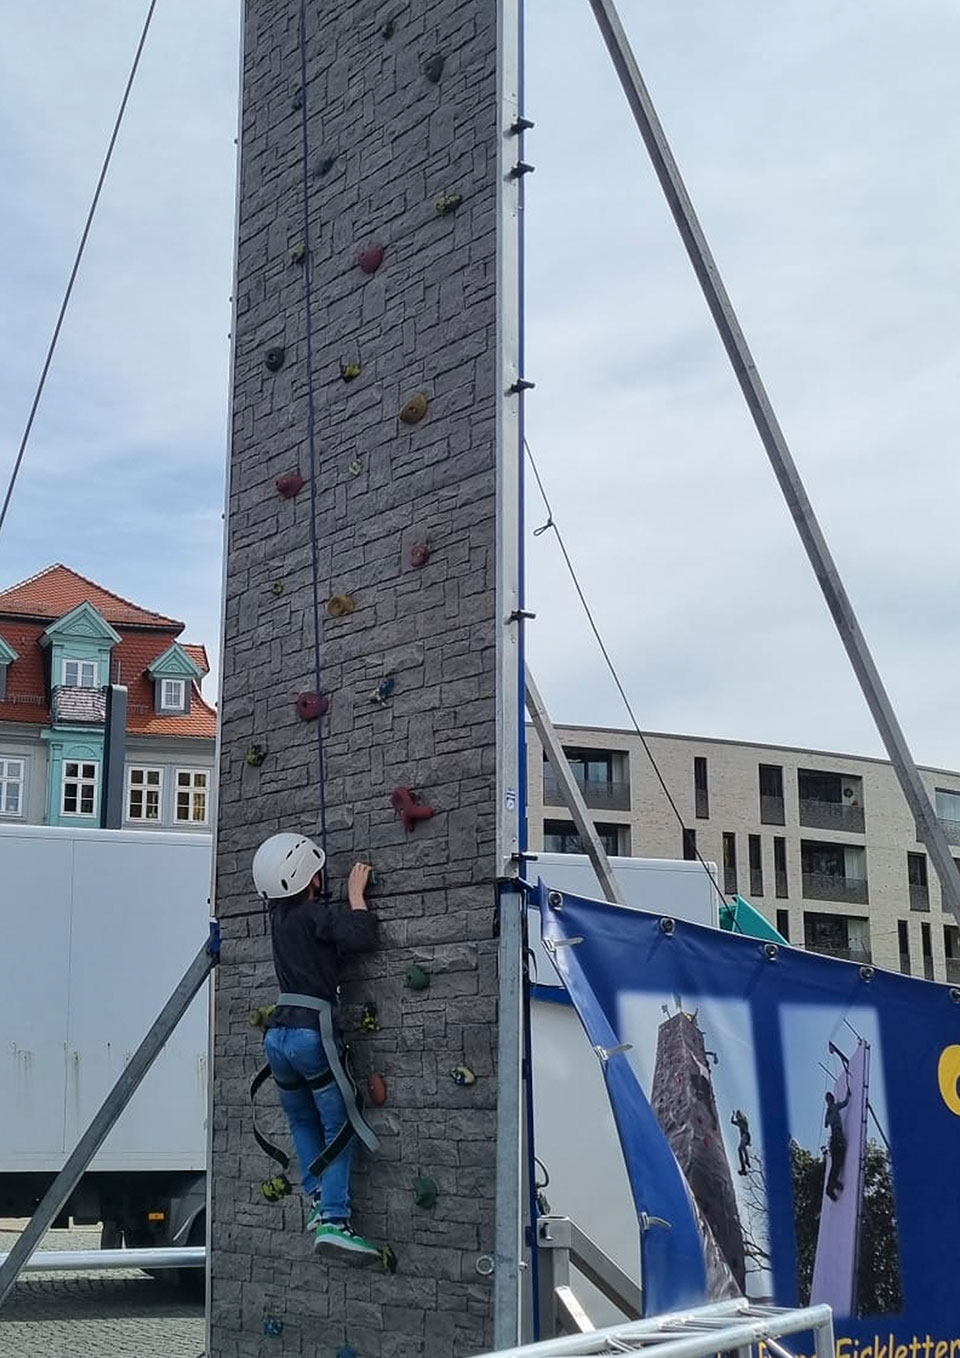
column 788, row 1124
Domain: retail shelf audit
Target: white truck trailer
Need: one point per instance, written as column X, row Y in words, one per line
column 98, row 928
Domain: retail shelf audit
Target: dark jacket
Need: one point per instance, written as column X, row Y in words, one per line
column 308, row 939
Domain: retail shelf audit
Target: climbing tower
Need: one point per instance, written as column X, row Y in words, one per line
column 371, row 647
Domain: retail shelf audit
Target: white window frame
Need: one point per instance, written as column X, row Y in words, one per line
column 81, row 665
column 192, row 792
column 7, row 781
column 144, row 788
column 82, row 780
column 181, row 702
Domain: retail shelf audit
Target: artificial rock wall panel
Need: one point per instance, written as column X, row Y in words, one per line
column 386, row 142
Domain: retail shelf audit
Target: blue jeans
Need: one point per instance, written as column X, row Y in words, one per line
column 314, row 1115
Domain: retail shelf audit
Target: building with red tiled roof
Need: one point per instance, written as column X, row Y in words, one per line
column 63, row 640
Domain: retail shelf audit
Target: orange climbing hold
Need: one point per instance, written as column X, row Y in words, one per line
column 340, row 605
column 414, row 409
column 377, row 1089
column 419, row 554
column 370, row 258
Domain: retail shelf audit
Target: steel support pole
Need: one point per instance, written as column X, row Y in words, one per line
column 572, row 795
column 103, row 1261
column 58, row 1194
column 510, row 617
column 784, row 468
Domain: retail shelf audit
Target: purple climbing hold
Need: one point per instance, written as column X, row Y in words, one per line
column 370, row 258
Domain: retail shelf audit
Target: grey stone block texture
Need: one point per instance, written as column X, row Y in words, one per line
column 423, row 322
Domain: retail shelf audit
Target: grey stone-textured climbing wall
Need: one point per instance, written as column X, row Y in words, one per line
column 387, row 139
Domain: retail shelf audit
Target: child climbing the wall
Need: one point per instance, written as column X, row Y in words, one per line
column 302, row 1043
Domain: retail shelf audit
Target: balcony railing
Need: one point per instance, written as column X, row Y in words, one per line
column 611, row 795
column 78, row 706
column 824, row 886
column 952, row 965
column 820, row 815
column 951, row 828
column 919, row 896
column 771, row 810
column 862, row 955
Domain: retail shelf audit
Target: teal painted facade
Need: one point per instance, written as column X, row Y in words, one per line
column 81, row 635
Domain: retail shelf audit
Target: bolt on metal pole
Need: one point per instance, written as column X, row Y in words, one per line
column 772, row 437
column 572, row 795
column 58, row 1194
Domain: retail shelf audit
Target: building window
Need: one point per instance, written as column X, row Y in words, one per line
column 81, row 674
column 11, row 787
column 771, row 795
column 833, row 872
column 903, row 939
column 780, row 867
column 560, row 836
column 689, row 844
column 917, row 881
column 948, row 812
column 729, row 864
column 951, row 951
column 843, row 936
column 192, row 796
column 701, row 795
column 927, row 950
column 144, row 789
column 756, row 865
column 943, row 903
column 783, row 924
column 79, row 788
column 830, row 801
column 601, row 776
column 173, row 695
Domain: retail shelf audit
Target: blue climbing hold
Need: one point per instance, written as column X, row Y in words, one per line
column 272, row 1326
column 345, row 1351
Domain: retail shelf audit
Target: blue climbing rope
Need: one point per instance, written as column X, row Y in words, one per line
column 311, row 420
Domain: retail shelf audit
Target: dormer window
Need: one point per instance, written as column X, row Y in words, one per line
column 80, row 674
column 173, row 695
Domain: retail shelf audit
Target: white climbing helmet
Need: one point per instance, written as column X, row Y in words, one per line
column 284, row 864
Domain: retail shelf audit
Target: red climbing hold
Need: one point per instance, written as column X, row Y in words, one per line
column 408, row 809
column 370, row 258
column 310, row 706
column 419, row 554
column 289, row 485
column 377, row 1089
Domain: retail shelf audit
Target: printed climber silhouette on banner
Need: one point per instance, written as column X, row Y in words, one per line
column 838, row 1142
column 302, row 1043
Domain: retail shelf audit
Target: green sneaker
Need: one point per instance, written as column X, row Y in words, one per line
column 314, row 1219
column 339, row 1235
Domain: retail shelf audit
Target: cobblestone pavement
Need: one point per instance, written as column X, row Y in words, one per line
column 95, row 1315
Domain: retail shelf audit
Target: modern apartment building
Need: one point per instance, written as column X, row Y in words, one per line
column 823, row 844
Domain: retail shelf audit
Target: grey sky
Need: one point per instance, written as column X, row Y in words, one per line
column 820, row 146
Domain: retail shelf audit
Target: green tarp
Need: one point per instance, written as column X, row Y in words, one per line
column 739, row 917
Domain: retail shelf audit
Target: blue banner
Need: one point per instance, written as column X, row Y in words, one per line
column 790, row 1124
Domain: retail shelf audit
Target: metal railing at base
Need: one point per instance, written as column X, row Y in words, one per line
column 100, row 1261
column 724, row 1327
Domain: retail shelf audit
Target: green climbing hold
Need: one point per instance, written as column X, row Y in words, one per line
column 350, row 371
column 425, row 1192
column 388, row 1259
column 255, row 756
column 355, row 467
column 275, row 1189
column 298, row 254
column 277, row 588
column 417, row 979
column 257, row 1018
column 388, row 29
column 369, row 1020
column 448, row 203
column 463, row 1075
column 433, row 67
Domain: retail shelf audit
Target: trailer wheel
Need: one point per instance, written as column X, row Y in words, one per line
column 194, row 1280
